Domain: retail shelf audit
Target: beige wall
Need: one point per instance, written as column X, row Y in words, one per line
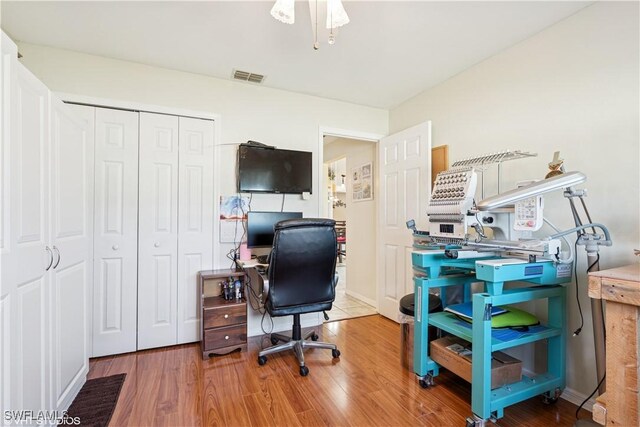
column 573, row 88
column 361, row 219
column 247, row 112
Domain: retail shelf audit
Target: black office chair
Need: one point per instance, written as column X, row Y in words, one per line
column 301, row 279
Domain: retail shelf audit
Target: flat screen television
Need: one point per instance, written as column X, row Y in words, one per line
column 269, row 170
column 260, row 227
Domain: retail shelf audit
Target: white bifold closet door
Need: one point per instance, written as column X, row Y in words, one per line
column 158, row 231
column 116, row 231
column 195, row 220
column 175, row 233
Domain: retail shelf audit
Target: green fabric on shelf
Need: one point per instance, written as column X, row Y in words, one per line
column 514, row 318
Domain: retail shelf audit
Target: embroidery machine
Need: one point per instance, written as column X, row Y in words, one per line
column 491, row 241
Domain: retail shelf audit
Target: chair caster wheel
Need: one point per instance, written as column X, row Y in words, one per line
column 335, row 353
column 314, row 337
column 304, row 371
column 274, row 341
column 262, row 360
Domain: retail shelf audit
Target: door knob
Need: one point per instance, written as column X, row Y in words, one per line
column 51, row 261
column 115, row 247
column 58, row 252
column 156, row 244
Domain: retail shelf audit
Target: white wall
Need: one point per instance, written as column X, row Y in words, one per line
column 574, row 88
column 248, row 112
column 360, row 217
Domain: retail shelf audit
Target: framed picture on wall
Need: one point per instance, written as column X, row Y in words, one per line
column 362, row 183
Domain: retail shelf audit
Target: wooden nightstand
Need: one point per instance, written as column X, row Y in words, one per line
column 224, row 323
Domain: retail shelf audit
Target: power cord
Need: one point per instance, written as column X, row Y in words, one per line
column 282, row 207
column 590, row 396
column 262, row 324
column 575, row 275
column 580, row 329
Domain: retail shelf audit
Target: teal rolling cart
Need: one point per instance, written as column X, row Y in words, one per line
column 433, row 269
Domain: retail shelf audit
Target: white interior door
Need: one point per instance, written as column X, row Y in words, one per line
column 195, row 220
column 405, row 171
column 158, row 231
column 8, row 54
column 24, row 265
column 71, row 208
column 115, row 293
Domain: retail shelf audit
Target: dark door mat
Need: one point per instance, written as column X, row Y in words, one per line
column 95, row 403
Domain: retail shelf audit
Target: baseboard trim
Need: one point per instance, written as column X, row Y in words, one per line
column 362, row 298
column 570, row 395
column 577, row 398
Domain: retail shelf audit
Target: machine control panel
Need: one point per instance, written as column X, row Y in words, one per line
column 528, row 214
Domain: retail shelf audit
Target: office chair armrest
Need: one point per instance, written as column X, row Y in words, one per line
column 265, row 285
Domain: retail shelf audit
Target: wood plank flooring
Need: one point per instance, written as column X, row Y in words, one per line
column 173, row 386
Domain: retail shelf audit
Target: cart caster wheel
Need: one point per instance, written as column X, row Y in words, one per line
column 335, row 353
column 474, row 422
column 427, row 381
column 550, row 399
column 262, row 360
column 304, row 371
column 274, row 340
column 314, row 337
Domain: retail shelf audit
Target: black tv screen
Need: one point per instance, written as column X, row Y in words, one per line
column 269, row 170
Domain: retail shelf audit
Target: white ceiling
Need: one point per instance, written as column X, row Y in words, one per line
column 391, row 51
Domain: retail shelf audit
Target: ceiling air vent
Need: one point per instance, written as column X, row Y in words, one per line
column 247, row 77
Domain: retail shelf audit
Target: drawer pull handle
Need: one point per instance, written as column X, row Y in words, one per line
column 226, row 316
column 226, row 337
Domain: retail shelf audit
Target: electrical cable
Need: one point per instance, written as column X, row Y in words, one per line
column 282, row 207
column 262, row 323
column 590, row 396
column 575, row 275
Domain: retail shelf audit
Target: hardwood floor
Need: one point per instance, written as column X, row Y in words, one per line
column 366, row 387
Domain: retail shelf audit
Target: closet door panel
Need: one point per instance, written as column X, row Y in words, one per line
column 24, row 265
column 158, row 231
column 195, row 220
column 71, row 235
column 115, row 290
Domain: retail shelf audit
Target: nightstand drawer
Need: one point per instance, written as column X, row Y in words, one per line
column 224, row 337
column 225, row 316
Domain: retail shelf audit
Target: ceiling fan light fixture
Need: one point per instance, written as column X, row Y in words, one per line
column 336, row 15
column 284, row 11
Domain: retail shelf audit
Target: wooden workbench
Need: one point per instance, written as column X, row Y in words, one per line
column 620, row 287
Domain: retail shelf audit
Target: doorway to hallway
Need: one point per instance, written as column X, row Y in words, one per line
column 348, row 192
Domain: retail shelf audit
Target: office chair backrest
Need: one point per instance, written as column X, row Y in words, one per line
column 303, row 263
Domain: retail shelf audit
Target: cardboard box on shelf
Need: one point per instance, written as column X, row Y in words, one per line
column 454, row 354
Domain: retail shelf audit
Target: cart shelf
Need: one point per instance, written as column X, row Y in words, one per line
column 500, row 338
